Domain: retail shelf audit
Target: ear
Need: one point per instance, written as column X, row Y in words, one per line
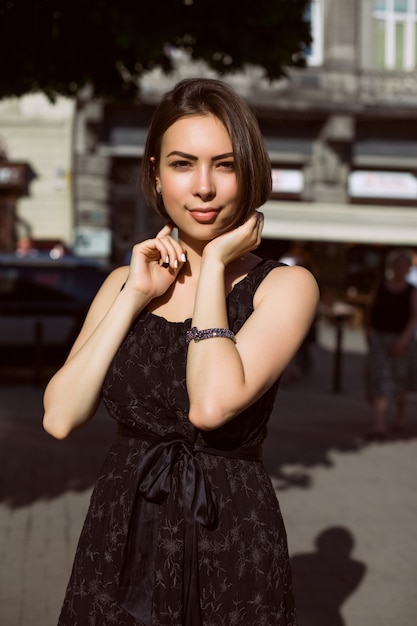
column 157, row 181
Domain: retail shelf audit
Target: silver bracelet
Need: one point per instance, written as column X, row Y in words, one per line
column 208, row 333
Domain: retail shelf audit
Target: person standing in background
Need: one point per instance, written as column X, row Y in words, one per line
column 391, row 327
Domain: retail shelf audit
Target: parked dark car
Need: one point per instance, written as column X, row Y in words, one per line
column 42, row 305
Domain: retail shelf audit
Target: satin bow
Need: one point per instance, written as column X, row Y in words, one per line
column 199, row 503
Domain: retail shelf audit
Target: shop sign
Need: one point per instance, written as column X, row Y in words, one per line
column 92, row 242
column 392, row 185
column 287, row 181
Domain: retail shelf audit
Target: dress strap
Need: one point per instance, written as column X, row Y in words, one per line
column 260, row 271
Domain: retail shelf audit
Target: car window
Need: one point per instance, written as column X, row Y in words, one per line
column 50, row 283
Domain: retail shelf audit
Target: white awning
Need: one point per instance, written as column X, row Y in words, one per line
column 340, row 222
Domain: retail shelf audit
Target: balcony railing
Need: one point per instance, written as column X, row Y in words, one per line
column 360, row 86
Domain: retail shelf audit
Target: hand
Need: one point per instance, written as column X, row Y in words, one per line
column 155, row 263
column 237, row 242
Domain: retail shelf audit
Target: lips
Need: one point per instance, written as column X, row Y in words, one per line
column 204, row 216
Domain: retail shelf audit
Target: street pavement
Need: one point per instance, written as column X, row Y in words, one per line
column 349, row 504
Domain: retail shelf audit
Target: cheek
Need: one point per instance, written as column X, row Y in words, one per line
column 233, row 188
column 230, row 191
column 173, row 186
column 229, row 184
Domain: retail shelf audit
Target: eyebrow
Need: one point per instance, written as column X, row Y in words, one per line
column 191, row 157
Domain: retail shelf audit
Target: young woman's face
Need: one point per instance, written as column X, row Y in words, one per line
column 197, row 176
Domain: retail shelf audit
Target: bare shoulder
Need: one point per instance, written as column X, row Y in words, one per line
column 111, row 285
column 285, row 276
column 101, row 303
column 285, row 305
column 117, row 278
column 288, row 284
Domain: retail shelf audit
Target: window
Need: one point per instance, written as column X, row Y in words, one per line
column 395, row 34
column 314, row 15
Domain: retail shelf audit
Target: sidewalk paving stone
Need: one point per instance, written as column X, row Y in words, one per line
column 349, row 505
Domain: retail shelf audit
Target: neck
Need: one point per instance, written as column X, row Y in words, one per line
column 194, row 251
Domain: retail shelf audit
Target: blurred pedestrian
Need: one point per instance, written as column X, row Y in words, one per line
column 187, row 345
column 391, row 327
column 25, row 247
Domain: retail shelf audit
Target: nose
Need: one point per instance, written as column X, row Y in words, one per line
column 204, row 187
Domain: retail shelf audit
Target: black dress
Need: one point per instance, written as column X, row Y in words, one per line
column 184, row 528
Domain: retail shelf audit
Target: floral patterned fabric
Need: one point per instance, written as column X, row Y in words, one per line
column 242, row 572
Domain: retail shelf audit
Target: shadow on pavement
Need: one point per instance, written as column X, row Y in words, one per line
column 308, row 423
column 35, row 466
column 324, row 579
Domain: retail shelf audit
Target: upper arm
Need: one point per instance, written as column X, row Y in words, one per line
column 100, row 305
column 284, row 307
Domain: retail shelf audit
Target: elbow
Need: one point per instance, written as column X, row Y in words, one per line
column 209, row 416
column 55, row 428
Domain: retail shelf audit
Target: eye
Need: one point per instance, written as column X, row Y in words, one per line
column 227, row 165
column 180, row 165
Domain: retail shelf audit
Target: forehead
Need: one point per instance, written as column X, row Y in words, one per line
column 197, row 134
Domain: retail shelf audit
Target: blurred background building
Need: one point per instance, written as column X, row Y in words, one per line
column 341, row 134
column 39, row 134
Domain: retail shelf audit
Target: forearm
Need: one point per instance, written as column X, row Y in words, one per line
column 72, row 395
column 214, row 367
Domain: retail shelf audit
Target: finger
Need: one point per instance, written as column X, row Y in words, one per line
column 260, row 227
column 261, row 221
column 257, row 219
column 165, row 231
column 253, row 225
column 175, row 256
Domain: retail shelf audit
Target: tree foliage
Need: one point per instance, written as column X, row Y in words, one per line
column 59, row 46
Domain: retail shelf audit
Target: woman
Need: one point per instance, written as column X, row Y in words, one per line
column 186, row 345
column 391, row 328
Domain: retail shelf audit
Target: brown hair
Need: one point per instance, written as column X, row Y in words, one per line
column 202, row 96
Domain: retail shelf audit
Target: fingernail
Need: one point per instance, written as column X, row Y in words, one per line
column 167, row 259
column 183, row 258
column 175, row 264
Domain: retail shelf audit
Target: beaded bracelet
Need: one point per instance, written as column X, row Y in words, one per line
column 207, row 333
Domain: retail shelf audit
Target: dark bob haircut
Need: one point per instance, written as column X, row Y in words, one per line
column 202, row 96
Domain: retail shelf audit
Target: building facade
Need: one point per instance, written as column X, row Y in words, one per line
column 341, row 134
column 38, row 132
